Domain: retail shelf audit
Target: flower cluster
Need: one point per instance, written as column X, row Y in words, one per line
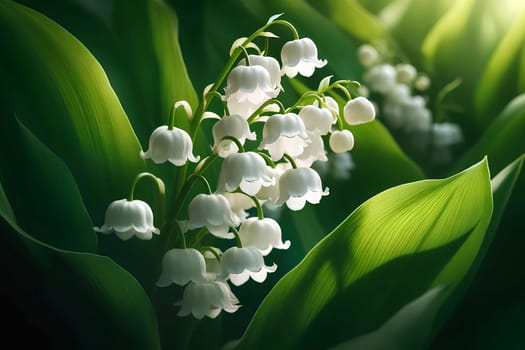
column 270, row 164
column 403, row 108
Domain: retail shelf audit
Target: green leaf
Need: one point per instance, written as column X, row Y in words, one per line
column 60, row 92
column 498, row 82
column 502, row 142
column 408, row 329
column 87, row 300
column 42, row 192
column 352, row 17
column 147, row 34
column 387, row 252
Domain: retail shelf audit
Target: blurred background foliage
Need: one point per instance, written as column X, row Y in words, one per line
column 135, row 41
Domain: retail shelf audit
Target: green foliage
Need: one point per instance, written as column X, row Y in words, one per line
column 438, row 224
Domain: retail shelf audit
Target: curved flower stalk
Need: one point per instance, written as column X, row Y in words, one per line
column 261, row 166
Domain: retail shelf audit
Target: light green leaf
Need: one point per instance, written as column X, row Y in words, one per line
column 42, row 192
column 502, row 142
column 498, row 82
column 96, row 303
column 352, row 17
column 60, row 92
column 390, row 250
column 147, row 32
column 408, row 329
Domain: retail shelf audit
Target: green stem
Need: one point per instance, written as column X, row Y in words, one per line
column 259, row 110
column 260, row 212
column 203, row 180
column 211, row 250
column 288, row 25
column 237, row 237
column 290, row 160
column 304, row 96
column 267, row 159
column 236, row 141
column 246, row 55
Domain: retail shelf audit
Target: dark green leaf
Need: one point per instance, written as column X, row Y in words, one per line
column 41, row 190
column 391, row 249
column 92, row 302
column 60, row 92
column 408, row 329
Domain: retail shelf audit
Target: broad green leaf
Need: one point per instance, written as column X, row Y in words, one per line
column 409, row 21
column 42, row 191
column 5, row 206
column 462, row 42
column 390, row 250
column 147, row 32
column 60, row 92
column 502, row 142
column 94, row 303
column 408, row 329
column 498, row 82
column 352, row 17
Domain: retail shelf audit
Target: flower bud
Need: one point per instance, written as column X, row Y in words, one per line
column 359, row 111
column 341, row 141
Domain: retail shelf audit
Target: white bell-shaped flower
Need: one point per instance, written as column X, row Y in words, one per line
column 446, row 134
column 359, row 111
column 181, row 266
column 247, row 88
column 173, row 145
column 417, row 118
column 207, row 299
column 300, row 56
column 341, row 141
column 380, row 78
column 247, row 171
column 271, row 193
column 367, row 55
column 422, row 82
column 313, row 151
column 263, row 234
column 240, row 203
column 271, row 65
column 231, row 125
column 406, row 73
column 241, row 264
column 129, row 218
column 284, row 133
column 297, row 186
column 318, row 120
column 213, row 212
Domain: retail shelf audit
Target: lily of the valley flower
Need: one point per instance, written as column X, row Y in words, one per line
column 313, row 151
column 181, row 266
column 207, row 299
column 247, row 171
column 247, row 88
column 173, row 145
column 358, row 111
column 213, row 212
column 318, row 120
column 284, row 133
column 241, row 264
column 129, row 218
column 298, row 186
column 263, row 234
column 300, row 56
column 380, row 78
column 239, row 204
column 231, row 125
column 341, row 141
column 271, row 65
